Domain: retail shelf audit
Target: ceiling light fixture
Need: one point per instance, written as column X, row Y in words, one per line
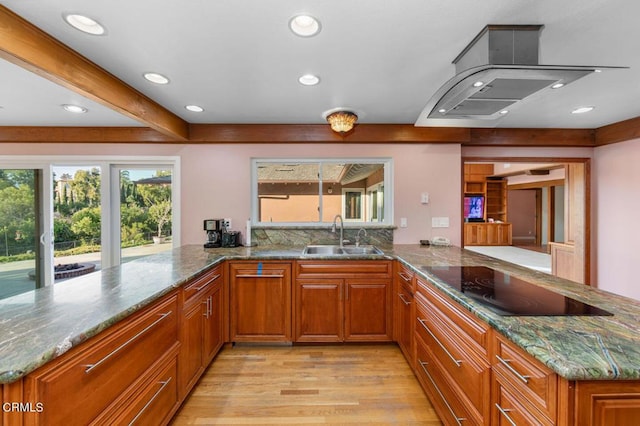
column 76, row 109
column 582, row 110
column 194, row 108
column 342, row 121
column 557, row 85
column 504, row 111
column 478, row 83
column 304, row 25
column 156, row 78
column 84, row 24
column 309, row 80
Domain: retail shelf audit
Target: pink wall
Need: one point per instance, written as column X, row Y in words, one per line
column 216, row 179
column 617, row 196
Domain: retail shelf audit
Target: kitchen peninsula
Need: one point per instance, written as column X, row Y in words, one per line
column 586, row 368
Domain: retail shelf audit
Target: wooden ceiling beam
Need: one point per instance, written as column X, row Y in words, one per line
column 29, row 47
column 27, row 134
column 532, row 137
column 306, row 133
column 322, row 133
column 618, row 132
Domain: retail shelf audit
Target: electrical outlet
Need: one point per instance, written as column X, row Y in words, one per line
column 226, row 223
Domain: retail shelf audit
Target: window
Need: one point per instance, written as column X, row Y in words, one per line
column 312, row 191
column 62, row 214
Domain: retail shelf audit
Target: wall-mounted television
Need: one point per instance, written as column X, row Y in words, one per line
column 474, row 208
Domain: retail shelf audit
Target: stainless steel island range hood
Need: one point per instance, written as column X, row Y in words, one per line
column 497, row 69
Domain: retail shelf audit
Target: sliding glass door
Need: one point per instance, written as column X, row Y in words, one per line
column 23, row 257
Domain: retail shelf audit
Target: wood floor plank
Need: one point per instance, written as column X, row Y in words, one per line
column 308, row 385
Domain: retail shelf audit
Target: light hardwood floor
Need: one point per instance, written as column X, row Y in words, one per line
column 308, row 385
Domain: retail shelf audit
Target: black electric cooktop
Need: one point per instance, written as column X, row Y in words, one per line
column 507, row 295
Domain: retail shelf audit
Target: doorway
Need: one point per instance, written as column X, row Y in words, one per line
column 546, row 209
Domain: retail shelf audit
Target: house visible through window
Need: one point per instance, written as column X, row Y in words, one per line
column 305, row 191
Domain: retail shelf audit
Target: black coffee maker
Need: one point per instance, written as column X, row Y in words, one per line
column 214, row 232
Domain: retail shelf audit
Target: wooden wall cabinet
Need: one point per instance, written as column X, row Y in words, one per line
column 496, row 200
column 343, row 301
column 202, row 326
column 260, row 301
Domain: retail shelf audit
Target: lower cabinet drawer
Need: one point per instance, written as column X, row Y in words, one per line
column 511, row 408
column 468, row 370
column 536, row 382
column 155, row 403
column 103, row 369
column 441, row 392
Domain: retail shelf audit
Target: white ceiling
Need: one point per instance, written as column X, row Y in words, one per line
column 383, row 59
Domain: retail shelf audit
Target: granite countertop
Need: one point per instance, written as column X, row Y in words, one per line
column 38, row 326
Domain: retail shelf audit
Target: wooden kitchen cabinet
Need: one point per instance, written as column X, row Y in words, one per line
column 260, row 301
column 112, row 373
column 487, row 234
column 202, row 326
column 343, row 301
column 319, row 310
column 452, row 356
column 404, row 310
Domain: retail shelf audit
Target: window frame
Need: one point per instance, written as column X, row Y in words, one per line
column 110, row 228
column 387, row 163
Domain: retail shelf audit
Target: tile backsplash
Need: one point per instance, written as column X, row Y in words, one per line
column 301, row 236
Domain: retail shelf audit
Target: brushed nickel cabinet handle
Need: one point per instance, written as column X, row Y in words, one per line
column 155, row 395
column 259, row 276
column 457, row 362
column 90, row 367
column 403, row 299
column 206, row 311
column 504, row 412
column 507, row 363
column 404, row 276
column 424, row 364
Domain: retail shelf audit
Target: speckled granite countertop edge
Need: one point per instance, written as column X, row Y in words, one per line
column 575, row 348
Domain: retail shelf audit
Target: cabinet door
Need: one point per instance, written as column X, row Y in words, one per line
column 191, row 363
column 405, row 309
column 260, row 302
column 367, row 310
column 319, row 310
column 212, row 328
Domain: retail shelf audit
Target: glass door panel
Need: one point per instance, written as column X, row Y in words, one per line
column 76, row 220
column 20, row 230
column 145, row 215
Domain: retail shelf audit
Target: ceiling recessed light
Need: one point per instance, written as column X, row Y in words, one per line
column 154, row 77
column 304, row 25
column 194, row 108
column 582, row 110
column 77, row 109
column 557, row 85
column 442, row 110
column 84, row 24
column 309, row 80
column 478, row 83
column 504, row 111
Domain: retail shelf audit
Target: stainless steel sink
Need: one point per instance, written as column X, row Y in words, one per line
column 361, row 250
column 334, row 250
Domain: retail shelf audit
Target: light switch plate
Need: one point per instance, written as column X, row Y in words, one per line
column 403, row 222
column 439, row 222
